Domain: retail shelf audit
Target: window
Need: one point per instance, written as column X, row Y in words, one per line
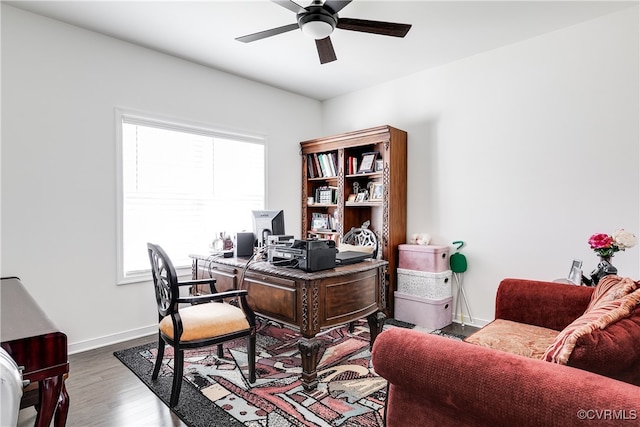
column 180, row 186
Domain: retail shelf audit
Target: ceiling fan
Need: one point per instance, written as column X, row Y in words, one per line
column 318, row 20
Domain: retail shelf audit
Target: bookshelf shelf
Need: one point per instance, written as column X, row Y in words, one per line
column 323, row 232
column 362, row 204
column 364, row 175
column 332, row 178
column 328, row 163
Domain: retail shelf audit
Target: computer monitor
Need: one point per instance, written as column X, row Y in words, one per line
column 266, row 223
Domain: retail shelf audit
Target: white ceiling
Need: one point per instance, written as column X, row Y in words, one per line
column 204, row 32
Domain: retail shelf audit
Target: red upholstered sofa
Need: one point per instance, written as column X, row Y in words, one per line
column 435, row 380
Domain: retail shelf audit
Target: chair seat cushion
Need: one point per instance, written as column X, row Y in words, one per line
column 207, row 321
column 513, row 337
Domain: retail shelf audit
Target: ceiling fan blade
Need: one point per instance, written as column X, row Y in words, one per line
column 325, row 50
column 375, row 27
column 267, row 33
column 336, row 5
column 288, row 4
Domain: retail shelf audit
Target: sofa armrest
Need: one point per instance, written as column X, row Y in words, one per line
column 547, row 304
column 440, row 381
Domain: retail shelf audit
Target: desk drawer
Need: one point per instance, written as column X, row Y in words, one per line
column 273, row 297
column 226, row 276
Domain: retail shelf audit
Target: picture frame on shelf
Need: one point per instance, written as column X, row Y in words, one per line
column 377, row 191
column 361, row 197
column 368, row 162
column 379, row 165
column 325, row 196
column 320, row 222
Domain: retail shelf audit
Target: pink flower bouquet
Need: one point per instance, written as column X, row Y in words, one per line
column 606, row 245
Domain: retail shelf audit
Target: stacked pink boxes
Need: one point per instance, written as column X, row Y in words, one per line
column 424, row 296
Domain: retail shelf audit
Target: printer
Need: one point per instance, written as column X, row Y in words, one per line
column 308, row 255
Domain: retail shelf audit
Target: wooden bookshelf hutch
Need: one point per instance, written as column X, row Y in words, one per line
column 328, row 190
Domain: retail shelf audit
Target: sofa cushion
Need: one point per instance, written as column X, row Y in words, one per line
column 611, row 288
column 603, row 339
column 613, row 351
column 513, row 337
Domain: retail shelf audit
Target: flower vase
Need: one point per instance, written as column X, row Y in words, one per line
column 604, row 268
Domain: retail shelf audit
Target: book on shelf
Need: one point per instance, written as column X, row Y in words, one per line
column 352, row 165
column 317, row 163
column 327, row 165
column 311, row 167
column 322, row 165
column 333, row 163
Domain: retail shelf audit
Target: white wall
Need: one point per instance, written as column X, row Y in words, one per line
column 60, row 87
column 523, row 152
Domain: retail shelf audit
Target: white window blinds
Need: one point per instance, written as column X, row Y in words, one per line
column 181, row 186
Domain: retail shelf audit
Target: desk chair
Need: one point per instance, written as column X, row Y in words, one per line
column 207, row 321
column 358, row 239
column 363, row 238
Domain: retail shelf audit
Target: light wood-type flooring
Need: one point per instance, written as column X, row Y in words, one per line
column 105, row 393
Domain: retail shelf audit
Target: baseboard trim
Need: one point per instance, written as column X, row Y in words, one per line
column 94, row 343
column 478, row 323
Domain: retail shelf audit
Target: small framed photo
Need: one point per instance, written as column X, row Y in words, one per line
column 376, row 191
column 368, row 162
column 379, row 165
column 361, row 197
column 319, row 221
column 575, row 274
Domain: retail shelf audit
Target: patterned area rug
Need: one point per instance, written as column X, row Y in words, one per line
column 215, row 392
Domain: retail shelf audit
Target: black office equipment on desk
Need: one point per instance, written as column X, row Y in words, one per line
column 307, row 255
column 351, row 257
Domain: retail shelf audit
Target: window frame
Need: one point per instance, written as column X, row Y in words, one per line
column 155, row 120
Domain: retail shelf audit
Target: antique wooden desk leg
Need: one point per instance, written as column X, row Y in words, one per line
column 309, row 348
column 62, row 411
column 50, row 389
column 376, row 322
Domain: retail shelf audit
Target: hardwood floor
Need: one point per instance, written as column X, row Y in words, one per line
column 105, row 393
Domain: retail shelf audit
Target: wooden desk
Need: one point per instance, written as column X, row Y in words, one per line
column 308, row 301
column 34, row 342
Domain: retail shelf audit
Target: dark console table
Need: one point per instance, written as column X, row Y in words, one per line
column 308, row 301
column 35, row 343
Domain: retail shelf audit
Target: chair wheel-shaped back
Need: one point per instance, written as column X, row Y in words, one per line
column 196, row 321
column 362, row 237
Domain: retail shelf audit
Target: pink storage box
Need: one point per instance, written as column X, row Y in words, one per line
column 424, row 312
column 431, row 258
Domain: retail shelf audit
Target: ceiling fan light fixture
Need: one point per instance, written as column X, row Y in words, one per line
column 317, row 29
column 317, row 25
column 320, row 18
